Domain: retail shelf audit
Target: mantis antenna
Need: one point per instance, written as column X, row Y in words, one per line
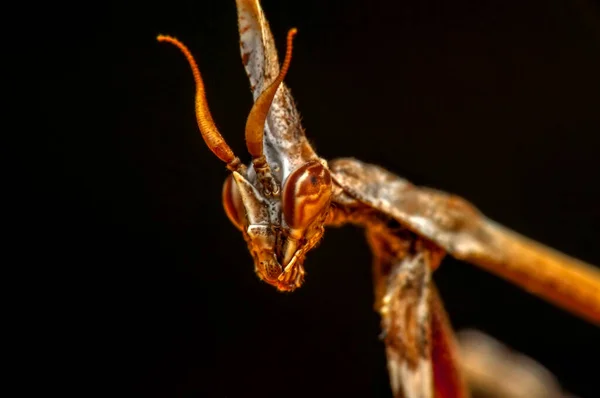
column 215, row 141
column 255, row 125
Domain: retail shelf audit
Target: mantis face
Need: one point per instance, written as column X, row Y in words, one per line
column 281, row 201
column 280, row 228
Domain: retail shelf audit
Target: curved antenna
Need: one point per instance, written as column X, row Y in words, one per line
column 215, row 141
column 255, row 125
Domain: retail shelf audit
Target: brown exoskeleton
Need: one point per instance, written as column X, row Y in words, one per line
column 284, row 199
column 281, row 202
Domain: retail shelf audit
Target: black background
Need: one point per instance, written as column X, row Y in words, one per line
column 153, row 291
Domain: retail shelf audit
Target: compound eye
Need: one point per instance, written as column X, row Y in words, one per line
column 232, row 202
column 306, row 194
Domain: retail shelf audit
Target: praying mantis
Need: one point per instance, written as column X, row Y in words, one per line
column 284, row 199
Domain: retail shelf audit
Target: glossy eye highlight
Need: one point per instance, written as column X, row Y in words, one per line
column 306, row 194
column 232, row 202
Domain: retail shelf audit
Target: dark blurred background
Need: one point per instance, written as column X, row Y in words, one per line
column 150, row 290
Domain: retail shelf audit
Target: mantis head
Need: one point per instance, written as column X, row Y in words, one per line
column 281, row 201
